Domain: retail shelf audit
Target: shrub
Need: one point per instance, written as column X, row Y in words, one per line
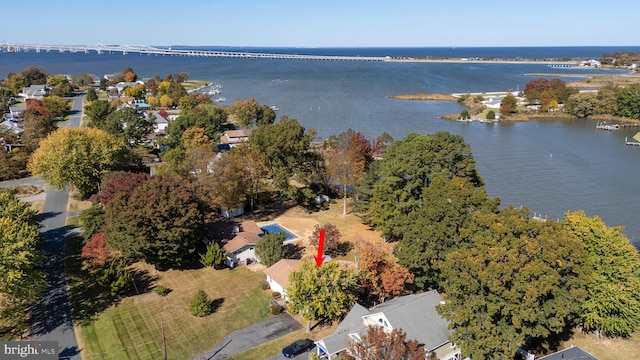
column 491, row 115
column 199, row 305
column 213, row 256
column 161, row 290
column 264, row 285
column 275, row 309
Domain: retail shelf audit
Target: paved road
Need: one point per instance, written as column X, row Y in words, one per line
column 51, row 317
column 251, row 336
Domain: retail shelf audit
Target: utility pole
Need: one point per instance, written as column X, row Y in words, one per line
column 164, row 341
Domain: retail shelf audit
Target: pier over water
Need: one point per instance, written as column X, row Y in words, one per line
column 150, row 50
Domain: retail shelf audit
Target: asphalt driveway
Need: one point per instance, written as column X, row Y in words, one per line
column 251, row 336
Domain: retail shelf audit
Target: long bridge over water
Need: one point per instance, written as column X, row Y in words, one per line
column 150, row 50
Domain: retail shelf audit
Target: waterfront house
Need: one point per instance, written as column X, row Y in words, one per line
column 235, row 137
column 415, row 314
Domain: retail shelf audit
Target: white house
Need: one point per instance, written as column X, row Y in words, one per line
column 34, row 92
column 278, row 274
column 415, row 314
column 241, row 248
column 161, row 122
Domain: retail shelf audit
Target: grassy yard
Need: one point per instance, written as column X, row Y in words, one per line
column 605, row 348
column 132, row 328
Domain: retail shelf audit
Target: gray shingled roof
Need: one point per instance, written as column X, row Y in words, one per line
column 572, row 353
column 337, row 341
column 416, row 314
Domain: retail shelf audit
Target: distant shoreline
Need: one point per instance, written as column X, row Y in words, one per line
column 482, row 61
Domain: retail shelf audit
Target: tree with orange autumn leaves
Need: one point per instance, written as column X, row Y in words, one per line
column 381, row 277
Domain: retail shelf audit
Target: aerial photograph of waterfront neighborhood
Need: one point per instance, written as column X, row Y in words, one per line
column 361, row 180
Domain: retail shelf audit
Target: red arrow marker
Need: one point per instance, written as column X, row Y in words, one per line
column 320, row 258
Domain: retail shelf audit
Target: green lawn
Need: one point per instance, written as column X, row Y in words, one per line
column 131, row 328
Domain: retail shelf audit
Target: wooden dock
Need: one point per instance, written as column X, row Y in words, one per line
column 634, row 141
column 612, row 127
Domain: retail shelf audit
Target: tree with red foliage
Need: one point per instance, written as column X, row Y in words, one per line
column 331, row 238
column 382, row 277
column 377, row 344
column 96, row 252
column 119, row 182
column 38, row 123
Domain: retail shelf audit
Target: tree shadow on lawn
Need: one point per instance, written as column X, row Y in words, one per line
column 216, row 304
column 87, row 298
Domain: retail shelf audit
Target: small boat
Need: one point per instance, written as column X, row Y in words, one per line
column 275, row 108
column 220, row 99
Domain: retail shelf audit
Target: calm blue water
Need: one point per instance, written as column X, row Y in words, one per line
column 276, row 228
column 549, row 166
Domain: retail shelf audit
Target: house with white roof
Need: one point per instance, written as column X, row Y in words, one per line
column 415, row 314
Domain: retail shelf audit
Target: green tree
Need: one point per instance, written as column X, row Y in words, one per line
column 160, row 222
column 266, row 115
column 238, row 177
column 581, row 105
column 57, row 106
column 60, row 85
column 245, row 112
column 97, row 112
column 410, row 166
column 607, row 100
column 613, row 305
column 92, row 219
column 199, row 305
column 491, row 115
column 22, row 280
column 78, row 157
column 34, row 75
column 5, row 98
column 128, row 125
column 508, row 105
column 437, row 225
column 629, row 101
column 285, row 148
column 323, row 292
column 270, row 249
column 517, row 277
column 464, row 115
column 191, row 101
column 213, row 256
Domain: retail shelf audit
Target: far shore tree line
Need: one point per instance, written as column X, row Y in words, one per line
column 508, row 278
column 549, row 96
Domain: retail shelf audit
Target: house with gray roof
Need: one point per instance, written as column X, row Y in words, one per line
column 572, row 353
column 35, row 92
column 415, row 314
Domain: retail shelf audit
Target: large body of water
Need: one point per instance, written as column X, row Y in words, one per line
column 548, row 166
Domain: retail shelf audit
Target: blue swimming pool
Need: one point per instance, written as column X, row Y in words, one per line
column 274, row 228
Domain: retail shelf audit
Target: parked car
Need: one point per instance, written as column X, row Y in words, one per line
column 298, row 347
